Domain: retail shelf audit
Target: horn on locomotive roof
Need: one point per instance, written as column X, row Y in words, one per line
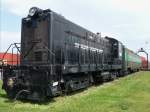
column 34, row 11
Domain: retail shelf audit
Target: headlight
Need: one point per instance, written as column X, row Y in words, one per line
column 33, row 11
column 10, row 82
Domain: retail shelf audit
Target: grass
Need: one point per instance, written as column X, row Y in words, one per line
column 128, row 94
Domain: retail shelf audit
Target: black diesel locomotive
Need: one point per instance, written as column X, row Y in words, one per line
column 59, row 56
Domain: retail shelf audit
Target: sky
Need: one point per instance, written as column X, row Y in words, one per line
column 126, row 20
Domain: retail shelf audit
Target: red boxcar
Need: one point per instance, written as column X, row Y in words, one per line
column 10, row 59
column 144, row 62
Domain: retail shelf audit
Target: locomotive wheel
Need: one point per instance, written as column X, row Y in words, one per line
column 113, row 76
column 11, row 93
column 68, row 87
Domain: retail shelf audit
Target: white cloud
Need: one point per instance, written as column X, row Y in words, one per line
column 122, row 25
column 135, row 6
column 8, row 38
column 126, row 20
column 111, row 34
column 21, row 7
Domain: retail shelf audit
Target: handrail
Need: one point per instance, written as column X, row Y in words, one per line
column 14, row 45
